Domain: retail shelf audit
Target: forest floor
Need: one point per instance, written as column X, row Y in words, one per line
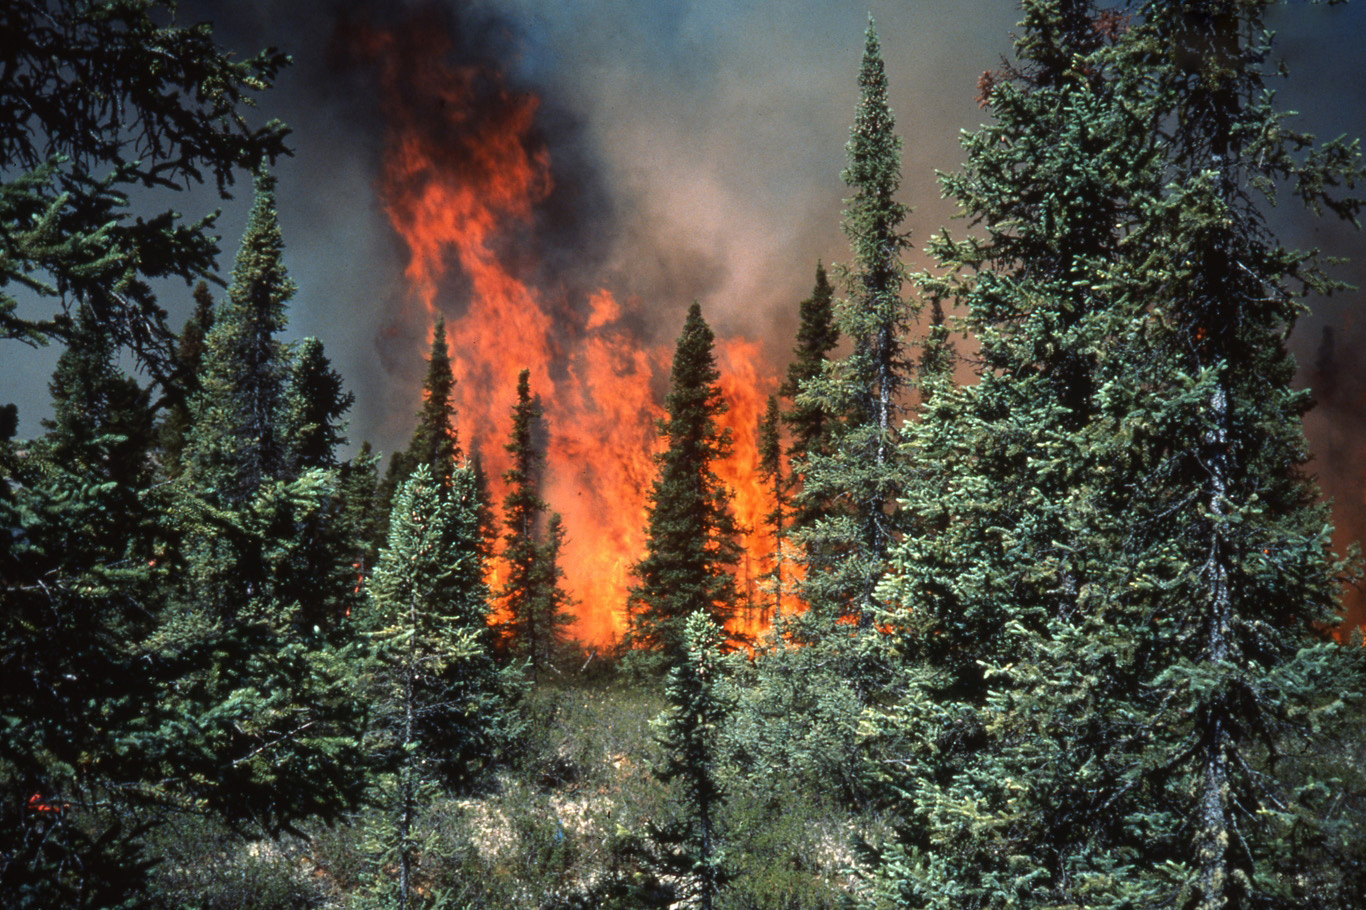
column 564, row 823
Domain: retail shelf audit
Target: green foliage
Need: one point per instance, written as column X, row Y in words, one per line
column 846, row 549
column 809, row 419
column 435, row 441
column 533, row 596
column 802, row 711
column 440, row 693
column 777, row 482
column 182, row 385
column 788, row 849
column 689, row 733
column 1110, row 604
column 443, row 709
column 90, row 399
column 236, row 441
column 101, row 99
column 315, row 401
column 692, row 545
column 83, row 725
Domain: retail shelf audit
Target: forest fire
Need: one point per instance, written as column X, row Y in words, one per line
column 462, row 177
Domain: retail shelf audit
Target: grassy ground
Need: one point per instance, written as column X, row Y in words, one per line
column 563, row 824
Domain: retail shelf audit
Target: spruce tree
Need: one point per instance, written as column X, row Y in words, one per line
column 183, row 384
column 692, row 542
column 435, row 441
column 359, row 509
column 770, row 448
column 533, row 626
column 689, row 732
column 1111, row 599
column 442, row 705
column 847, row 553
column 235, row 442
column 809, row 420
column 315, row 403
column 553, row 609
column 264, row 580
column 92, row 401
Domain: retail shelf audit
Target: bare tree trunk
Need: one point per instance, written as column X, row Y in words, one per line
column 407, row 794
column 1213, row 841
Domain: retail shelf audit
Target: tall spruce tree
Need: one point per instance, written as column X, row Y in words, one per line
column 692, row 544
column 809, row 420
column 533, row 628
column 770, row 447
column 435, row 441
column 1111, row 599
column 441, row 703
column 235, row 443
column 847, row 553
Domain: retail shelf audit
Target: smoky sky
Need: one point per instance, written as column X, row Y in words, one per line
column 696, row 149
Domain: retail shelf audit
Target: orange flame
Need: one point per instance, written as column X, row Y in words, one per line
column 455, row 208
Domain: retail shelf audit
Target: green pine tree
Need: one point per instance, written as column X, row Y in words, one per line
column 443, row 707
column 435, row 441
column 315, row 403
column 359, row 508
column 93, row 401
column 846, row 553
column 809, row 420
column 776, row 519
column 1111, row 599
column 235, row 443
column 689, row 732
column 553, row 609
column 534, row 625
column 692, row 546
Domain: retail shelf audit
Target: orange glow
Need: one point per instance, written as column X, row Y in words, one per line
column 746, row 393
column 460, row 176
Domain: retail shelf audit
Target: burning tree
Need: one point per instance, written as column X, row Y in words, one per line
column 692, row 547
